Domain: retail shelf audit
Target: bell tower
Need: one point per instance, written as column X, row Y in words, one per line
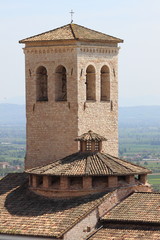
column 71, row 87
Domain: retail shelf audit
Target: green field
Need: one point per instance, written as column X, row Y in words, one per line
column 142, row 141
column 12, row 148
column 154, row 180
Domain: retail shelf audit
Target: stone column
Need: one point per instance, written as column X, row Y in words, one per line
column 46, row 181
column 130, row 179
column 34, row 181
column 143, row 178
column 64, row 183
column 87, row 183
column 112, row 181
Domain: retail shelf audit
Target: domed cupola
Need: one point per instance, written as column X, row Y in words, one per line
column 90, row 142
column 85, row 172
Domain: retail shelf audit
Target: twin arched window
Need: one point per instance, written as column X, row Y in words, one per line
column 104, row 86
column 42, row 84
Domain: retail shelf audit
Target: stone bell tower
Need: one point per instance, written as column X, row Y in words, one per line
column 71, row 87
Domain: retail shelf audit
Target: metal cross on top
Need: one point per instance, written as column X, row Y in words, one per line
column 71, row 12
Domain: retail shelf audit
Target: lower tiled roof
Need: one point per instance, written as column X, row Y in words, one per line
column 139, row 207
column 126, row 232
column 24, row 213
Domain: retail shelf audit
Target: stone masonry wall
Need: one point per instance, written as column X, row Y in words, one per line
column 53, row 125
column 99, row 116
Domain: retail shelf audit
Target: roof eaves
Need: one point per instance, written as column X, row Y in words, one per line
column 128, row 221
column 101, row 40
column 147, row 170
column 54, row 40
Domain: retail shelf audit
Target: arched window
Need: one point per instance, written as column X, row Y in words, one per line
column 61, row 84
column 105, row 84
column 90, row 83
column 41, row 84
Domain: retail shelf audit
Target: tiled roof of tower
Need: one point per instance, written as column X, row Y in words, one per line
column 88, row 163
column 72, row 32
column 24, row 213
column 139, row 207
column 90, row 136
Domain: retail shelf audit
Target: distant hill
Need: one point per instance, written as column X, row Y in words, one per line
column 14, row 114
column 141, row 116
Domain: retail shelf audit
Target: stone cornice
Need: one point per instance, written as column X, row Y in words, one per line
column 68, row 49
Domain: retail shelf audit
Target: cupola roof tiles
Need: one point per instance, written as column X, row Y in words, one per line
column 91, row 136
column 89, row 164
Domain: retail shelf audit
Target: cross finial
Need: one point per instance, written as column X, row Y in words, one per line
column 71, row 12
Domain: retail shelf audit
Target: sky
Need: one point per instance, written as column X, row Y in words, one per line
column 136, row 21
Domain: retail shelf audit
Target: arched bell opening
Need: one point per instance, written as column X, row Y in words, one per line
column 41, row 84
column 61, row 83
column 105, row 84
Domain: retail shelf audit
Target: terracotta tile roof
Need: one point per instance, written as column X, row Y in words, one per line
column 24, row 213
column 90, row 136
column 89, row 164
column 126, row 232
column 72, row 32
column 139, row 207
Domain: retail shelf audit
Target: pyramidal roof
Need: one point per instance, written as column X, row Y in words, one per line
column 89, row 164
column 90, row 136
column 72, row 32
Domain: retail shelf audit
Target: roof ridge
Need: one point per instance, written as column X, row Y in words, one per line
column 74, row 35
column 104, row 162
